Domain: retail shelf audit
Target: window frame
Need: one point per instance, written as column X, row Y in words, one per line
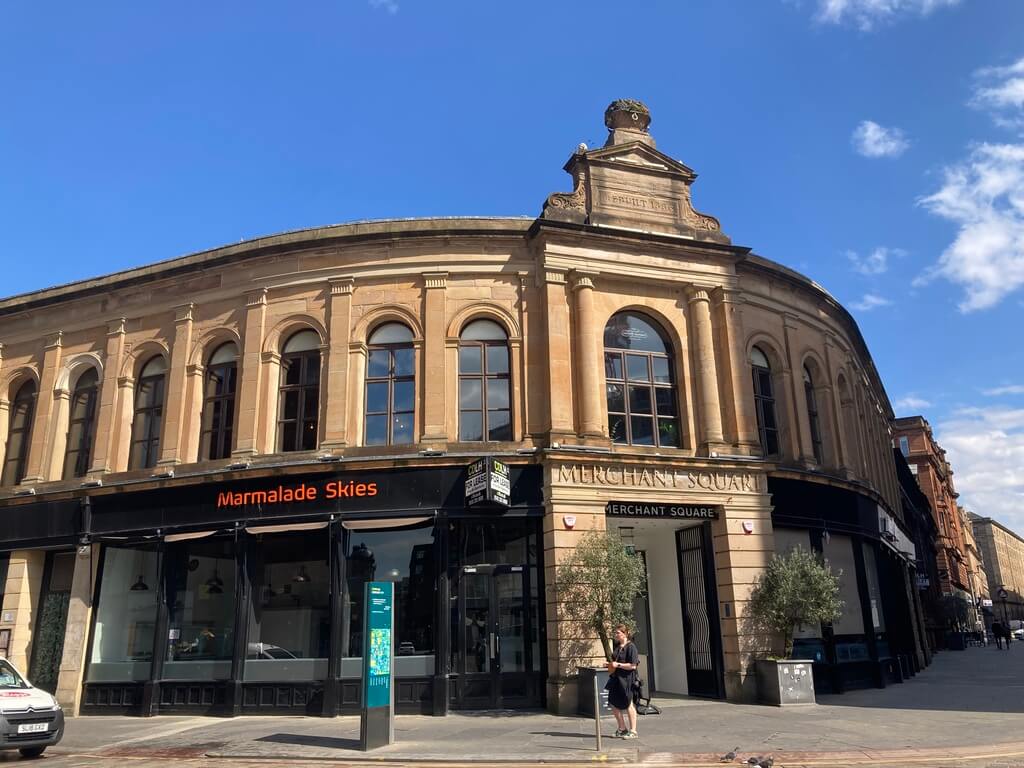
column 764, row 401
column 28, row 395
column 391, row 379
column 83, row 451
column 305, row 359
column 813, row 417
column 484, row 376
column 153, row 416
column 219, row 440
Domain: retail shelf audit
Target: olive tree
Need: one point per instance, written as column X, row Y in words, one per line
column 598, row 582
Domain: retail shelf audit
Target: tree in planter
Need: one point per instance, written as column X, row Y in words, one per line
column 797, row 589
column 597, row 584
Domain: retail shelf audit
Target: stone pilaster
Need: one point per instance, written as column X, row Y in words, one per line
column 21, row 601
column 41, row 443
column 357, row 353
column 736, row 368
column 336, row 385
column 706, row 372
column 177, row 381
column 559, row 356
column 250, row 379
column 435, row 377
column 588, row 357
column 107, row 426
column 801, row 445
column 76, row 633
column 125, row 418
column 192, row 419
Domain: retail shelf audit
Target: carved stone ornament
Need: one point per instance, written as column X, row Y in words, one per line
column 696, row 219
column 570, row 201
column 627, row 113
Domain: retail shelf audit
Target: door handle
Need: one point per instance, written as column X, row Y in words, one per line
column 493, row 639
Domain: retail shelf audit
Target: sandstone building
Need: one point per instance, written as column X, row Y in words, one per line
column 205, row 459
column 1003, row 553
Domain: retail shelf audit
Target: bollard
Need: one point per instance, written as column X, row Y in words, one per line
column 597, row 714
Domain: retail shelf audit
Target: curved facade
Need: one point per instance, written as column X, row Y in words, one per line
column 215, row 451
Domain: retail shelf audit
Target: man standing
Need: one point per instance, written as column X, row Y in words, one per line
column 997, row 632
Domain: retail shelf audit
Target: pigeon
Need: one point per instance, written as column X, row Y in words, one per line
column 728, row 757
column 767, row 762
column 754, row 760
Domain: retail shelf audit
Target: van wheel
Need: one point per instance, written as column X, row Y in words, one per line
column 31, row 752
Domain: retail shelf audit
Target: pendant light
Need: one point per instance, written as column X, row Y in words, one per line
column 215, row 584
column 139, row 586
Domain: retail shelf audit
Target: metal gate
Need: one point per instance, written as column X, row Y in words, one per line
column 701, row 628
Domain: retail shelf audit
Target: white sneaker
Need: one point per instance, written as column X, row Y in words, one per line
column 630, row 735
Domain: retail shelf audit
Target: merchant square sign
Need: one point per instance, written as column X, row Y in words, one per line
column 715, row 481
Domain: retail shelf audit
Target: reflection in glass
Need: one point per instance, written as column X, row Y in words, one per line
column 390, row 386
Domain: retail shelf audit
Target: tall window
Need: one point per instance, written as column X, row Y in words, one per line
column 484, row 412
column 81, row 425
column 764, row 401
column 390, row 386
column 219, row 403
column 149, row 413
column 640, row 380
column 904, row 445
column 299, row 405
column 19, row 435
column 812, row 415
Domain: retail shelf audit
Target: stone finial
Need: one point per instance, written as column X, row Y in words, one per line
column 627, row 120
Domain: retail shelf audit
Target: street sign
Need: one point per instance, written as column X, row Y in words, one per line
column 377, row 724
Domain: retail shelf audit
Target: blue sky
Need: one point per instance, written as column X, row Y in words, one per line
column 875, row 145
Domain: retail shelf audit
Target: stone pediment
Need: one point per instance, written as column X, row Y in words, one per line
column 641, row 155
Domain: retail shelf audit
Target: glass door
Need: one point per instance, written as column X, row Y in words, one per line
column 48, row 637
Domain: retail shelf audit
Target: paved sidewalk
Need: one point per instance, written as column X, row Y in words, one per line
column 967, row 705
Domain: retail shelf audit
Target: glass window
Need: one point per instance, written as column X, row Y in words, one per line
column 298, row 415
column 219, row 403
column 812, row 416
column 290, row 627
column 390, row 386
column 149, row 415
column 484, row 383
column 81, row 425
column 904, row 445
column 201, row 608
column 764, row 402
column 640, row 383
column 122, row 642
column 19, row 434
column 405, row 556
column 838, row 551
column 874, row 591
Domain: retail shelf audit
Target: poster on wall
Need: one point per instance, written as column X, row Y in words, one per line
column 377, row 724
column 488, row 481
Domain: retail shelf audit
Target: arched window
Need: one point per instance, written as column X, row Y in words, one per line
column 390, row 386
column 764, row 401
column 19, row 435
column 149, row 413
column 220, row 381
column 298, row 414
column 640, row 379
column 484, row 412
column 81, row 425
column 812, row 415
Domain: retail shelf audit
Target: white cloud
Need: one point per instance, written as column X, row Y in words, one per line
column 870, row 301
column 1000, row 90
column 1009, row 389
column 873, row 140
column 875, row 263
column 984, row 196
column 388, row 5
column 866, row 13
column 911, row 403
column 985, row 447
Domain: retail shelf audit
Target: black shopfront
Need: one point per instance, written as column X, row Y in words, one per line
column 244, row 596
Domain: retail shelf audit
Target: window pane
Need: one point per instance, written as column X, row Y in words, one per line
column 471, row 426
column 312, row 374
column 312, row 403
column 616, row 398
column 80, row 405
column 379, row 363
column 666, row 400
column 662, row 374
column 309, row 435
column 469, row 394
column 376, row 430
column 377, row 397
column 617, row 428
column 497, row 358
column 391, row 333
column 499, row 425
column 404, row 396
column 668, row 433
column 214, row 409
column 643, row 430
column 639, row 399
column 288, row 432
column 469, row 360
column 497, row 393
column 612, row 365
column 401, row 429
column 636, row 368
column 771, row 443
column 483, row 330
column 290, row 409
column 768, row 413
column 763, row 382
column 405, row 361
column 290, row 369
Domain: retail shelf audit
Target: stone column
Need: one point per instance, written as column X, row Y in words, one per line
column 76, row 632
column 335, row 388
column 177, row 380
column 803, row 448
column 435, row 378
column 706, row 372
column 106, row 426
column 740, row 390
column 124, row 419
column 41, row 426
column 559, row 363
column 588, row 357
column 249, row 381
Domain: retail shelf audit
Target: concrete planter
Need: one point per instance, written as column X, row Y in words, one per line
column 586, row 690
column 785, row 682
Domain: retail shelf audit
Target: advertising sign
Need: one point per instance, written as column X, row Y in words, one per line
column 377, row 722
column 488, row 481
